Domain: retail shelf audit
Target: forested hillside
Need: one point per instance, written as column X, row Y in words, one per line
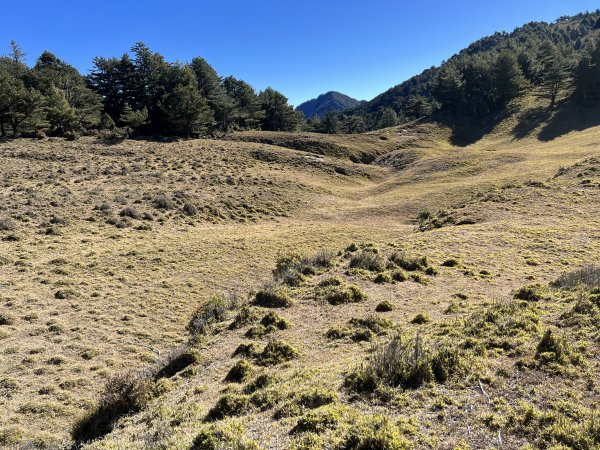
column 557, row 60
column 139, row 92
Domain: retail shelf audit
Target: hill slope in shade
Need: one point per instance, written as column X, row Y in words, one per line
column 324, row 103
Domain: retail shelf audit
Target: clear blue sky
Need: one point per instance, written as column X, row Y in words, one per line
column 301, row 47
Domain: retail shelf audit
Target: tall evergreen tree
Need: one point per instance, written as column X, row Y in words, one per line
column 508, row 78
column 186, row 110
column 278, row 114
column 554, row 70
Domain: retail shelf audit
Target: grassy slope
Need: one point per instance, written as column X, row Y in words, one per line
column 133, row 291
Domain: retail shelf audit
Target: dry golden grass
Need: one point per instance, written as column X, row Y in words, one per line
column 90, row 293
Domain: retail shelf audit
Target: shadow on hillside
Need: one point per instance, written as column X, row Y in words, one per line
column 529, row 121
column 467, row 131
column 570, row 117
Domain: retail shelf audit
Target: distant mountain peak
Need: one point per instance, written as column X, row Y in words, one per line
column 324, row 103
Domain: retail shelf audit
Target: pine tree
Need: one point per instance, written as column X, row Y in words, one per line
column 507, row 77
column 331, row 124
column 448, row 87
column 107, row 122
column 186, row 110
column 278, row 114
column 134, row 119
column 554, row 71
column 587, row 75
column 59, row 114
column 387, row 118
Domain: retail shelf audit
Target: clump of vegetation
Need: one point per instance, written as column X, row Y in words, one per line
column 7, row 225
column 406, row 363
column 378, row 325
column 554, row 348
column 260, row 382
column 230, row 436
column 345, row 294
column 384, row 306
column 451, row 262
column 369, row 260
column 177, row 361
column 245, row 316
column 420, row 319
column 310, row 399
column 273, row 296
column 276, row 352
column 400, row 275
column 376, row 433
column 240, row 372
column 531, row 293
column 291, row 269
column 207, row 314
column 587, row 276
column 6, row 319
column 269, row 323
column 318, row 421
column 408, row 262
column 229, row 405
column 382, row 278
column 124, row 394
column 130, row 211
column 248, row 350
column 332, row 281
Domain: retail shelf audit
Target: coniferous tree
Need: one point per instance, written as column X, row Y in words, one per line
column 587, row 75
column 387, row 118
column 331, row 124
column 59, row 114
column 508, row 78
column 248, row 113
column 107, row 122
column 186, row 110
column 278, row 114
column 133, row 119
column 555, row 72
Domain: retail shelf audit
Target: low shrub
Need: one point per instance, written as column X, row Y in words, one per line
column 554, row 348
column 161, row 201
column 260, row 382
column 245, row 316
column 400, row 275
column 451, row 262
column 588, row 276
column 7, row 225
column 368, row 260
column 332, row 281
column 276, row 352
column 317, row 421
column 382, row 278
column 407, row 364
column 229, row 405
column 272, row 319
column 410, row 263
column 384, row 306
column 6, row 319
column 420, row 319
column 207, row 314
column 230, row 436
column 375, row 433
column 345, row 294
column 378, row 325
column 130, row 211
column 248, row 350
column 531, row 293
column 177, row 361
column 273, row 296
column 123, row 394
column 240, row 372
